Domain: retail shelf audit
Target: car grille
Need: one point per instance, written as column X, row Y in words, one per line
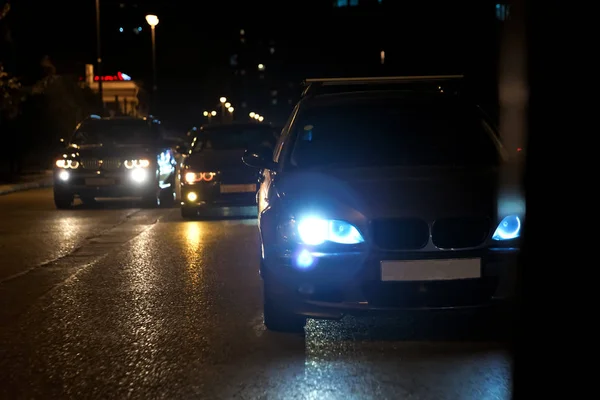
column 457, row 233
column 237, row 176
column 400, row 233
column 106, row 164
column 446, row 233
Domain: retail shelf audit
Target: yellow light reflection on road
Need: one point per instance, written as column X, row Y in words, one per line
column 193, row 254
column 68, row 233
column 192, row 236
column 143, row 275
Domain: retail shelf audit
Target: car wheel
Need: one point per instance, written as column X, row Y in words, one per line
column 167, row 197
column 151, row 201
column 277, row 318
column 188, row 213
column 63, row 200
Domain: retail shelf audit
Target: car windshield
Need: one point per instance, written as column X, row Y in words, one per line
column 389, row 132
column 235, row 138
column 115, row 132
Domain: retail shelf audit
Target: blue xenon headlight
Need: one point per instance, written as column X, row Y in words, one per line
column 509, row 228
column 315, row 231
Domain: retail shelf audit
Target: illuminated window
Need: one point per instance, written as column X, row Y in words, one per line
column 341, row 3
column 353, row 2
column 502, row 11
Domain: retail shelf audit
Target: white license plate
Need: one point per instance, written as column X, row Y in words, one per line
column 99, row 181
column 431, row 270
column 238, row 188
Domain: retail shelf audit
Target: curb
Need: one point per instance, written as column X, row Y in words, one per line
column 7, row 189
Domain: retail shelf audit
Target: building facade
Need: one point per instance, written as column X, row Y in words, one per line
column 120, row 94
column 258, row 81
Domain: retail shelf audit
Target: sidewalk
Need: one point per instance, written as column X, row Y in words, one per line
column 28, row 181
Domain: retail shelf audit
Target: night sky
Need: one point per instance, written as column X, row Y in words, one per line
column 196, row 39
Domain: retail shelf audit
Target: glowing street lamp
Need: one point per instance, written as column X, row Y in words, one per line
column 252, row 114
column 261, row 118
column 209, row 115
column 256, row 116
column 223, row 100
column 227, row 105
column 152, row 20
column 230, row 109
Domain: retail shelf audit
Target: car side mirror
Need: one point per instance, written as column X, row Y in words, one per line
column 259, row 158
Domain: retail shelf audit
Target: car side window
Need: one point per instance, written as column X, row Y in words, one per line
column 284, row 135
column 278, row 147
column 78, row 137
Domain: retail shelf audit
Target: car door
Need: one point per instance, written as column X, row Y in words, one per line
column 267, row 176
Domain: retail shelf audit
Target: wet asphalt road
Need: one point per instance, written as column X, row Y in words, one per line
column 119, row 302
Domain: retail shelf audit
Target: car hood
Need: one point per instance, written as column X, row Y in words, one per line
column 424, row 192
column 216, row 160
column 128, row 151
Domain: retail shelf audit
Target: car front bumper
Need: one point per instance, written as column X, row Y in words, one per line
column 105, row 184
column 209, row 194
column 351, row 284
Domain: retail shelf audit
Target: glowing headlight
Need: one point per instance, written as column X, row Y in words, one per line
column 315, row 231
column 130, row 164
column 192, row 196
column 509, row 228
column 139, row 175
column 72, row 164
column 192, row 177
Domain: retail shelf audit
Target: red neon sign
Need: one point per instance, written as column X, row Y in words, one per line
column 118, row 77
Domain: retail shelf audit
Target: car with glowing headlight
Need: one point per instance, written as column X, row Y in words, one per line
column 116, row 157
column 384, row 195
column 213, row 175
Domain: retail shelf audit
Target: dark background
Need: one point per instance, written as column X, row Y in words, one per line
column 195, row 42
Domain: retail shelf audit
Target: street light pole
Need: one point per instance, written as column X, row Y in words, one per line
column 153, row 59
column 99, row 55
column 153, row 21
column 223, row 100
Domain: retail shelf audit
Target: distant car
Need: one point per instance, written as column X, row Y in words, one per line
column 381, row 196
column 214, row 175
column 116, row 157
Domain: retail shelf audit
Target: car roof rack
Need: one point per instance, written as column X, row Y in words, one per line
column 313, row 85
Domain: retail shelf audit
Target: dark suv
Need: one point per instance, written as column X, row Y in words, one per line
column 383, row 195
column 116, row 157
